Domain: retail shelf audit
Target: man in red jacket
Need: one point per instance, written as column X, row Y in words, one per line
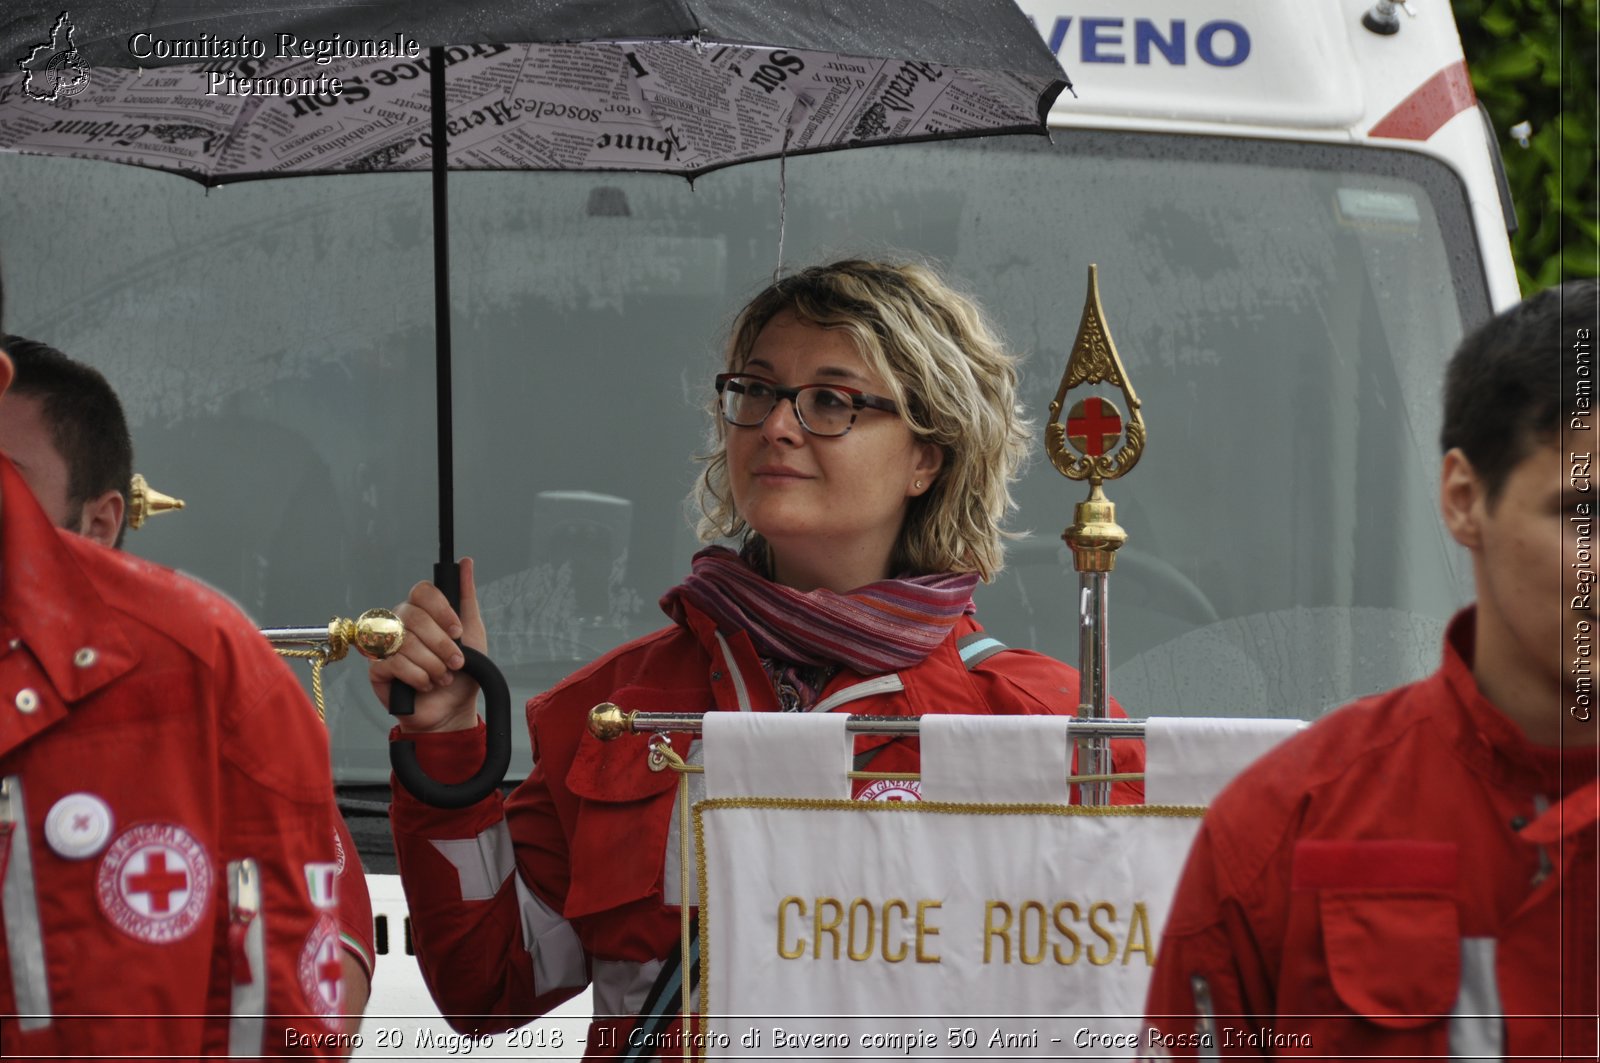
column 166, row 814
column 1414, row 876
column 62, row 426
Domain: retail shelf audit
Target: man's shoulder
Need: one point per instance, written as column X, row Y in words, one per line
column 156, row 604
column 1350, row 751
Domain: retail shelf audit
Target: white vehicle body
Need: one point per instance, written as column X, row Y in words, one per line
column 1284, row 71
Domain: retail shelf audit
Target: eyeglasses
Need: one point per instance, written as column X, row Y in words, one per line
column 823, row 409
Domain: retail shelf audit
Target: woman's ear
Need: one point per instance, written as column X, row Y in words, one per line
column 929, row 463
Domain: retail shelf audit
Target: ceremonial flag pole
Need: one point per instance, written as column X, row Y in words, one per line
column 1104, row 446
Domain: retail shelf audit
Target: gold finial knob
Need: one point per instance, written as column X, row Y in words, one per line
column 378, row 634
column 375, row 634
column 145, row 501
column 608, row 721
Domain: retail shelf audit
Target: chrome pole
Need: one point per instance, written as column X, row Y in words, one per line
column 1094, row 754
column 608, row 721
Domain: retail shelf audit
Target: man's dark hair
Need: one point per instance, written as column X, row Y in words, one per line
column 1510, row 383
column 85, row 419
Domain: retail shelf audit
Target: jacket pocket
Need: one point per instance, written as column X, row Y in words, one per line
column 1371, row 958
column 1394, row 957
column 619, row 839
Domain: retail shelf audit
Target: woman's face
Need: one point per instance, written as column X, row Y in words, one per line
column 831, row 507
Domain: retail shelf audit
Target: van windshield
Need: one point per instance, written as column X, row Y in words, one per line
column 1284, row 312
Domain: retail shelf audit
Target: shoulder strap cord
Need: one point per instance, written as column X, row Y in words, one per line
column 660, row 1007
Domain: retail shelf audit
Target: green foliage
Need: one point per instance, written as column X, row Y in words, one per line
column 1535, row 61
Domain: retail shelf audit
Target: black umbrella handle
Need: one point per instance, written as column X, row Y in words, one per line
column 497, row 750
column 496, row 714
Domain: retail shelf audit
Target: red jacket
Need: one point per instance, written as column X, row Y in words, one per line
column 589, row 830
column 166, row 826
column 1364, row 890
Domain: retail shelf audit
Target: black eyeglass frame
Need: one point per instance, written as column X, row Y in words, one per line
column 859, row 400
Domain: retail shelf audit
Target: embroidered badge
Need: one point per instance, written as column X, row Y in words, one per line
column 78, row 826
column 338, row 851
column 321, row 884
column 892, row 790
column 322, row 972
column 155, row 883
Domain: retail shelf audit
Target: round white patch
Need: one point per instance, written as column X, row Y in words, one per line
column 322, row 972
column 155, row 883
column 78, row 826
column 892, row 790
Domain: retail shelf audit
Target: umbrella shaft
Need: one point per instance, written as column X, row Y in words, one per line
column 441, row 312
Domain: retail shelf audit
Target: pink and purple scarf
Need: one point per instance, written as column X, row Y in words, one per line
column 882, row 627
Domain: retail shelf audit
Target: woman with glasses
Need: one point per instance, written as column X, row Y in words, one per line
column 866, row 436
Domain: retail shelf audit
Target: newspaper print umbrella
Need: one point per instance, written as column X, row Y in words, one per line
column 347, row 86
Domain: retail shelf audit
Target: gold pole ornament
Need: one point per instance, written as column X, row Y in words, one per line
column 1104, row 446
column 1092, row 429
column 145, row 502
column 608, row 721
column 375, row 634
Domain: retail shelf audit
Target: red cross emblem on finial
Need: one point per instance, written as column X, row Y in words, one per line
column 1093, row 426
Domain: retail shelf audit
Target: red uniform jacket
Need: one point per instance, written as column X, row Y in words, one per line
column 167, row 818
column 1365, row 889
column 589, row 830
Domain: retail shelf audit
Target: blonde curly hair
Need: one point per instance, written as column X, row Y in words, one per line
column 950, row 375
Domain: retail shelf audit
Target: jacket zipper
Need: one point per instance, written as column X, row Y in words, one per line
column 1205, row 1019
column 18, row 895
column 247, row 957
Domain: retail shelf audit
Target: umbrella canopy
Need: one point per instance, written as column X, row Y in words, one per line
column 221, row 96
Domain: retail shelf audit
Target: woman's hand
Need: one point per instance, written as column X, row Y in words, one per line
column 429, row 659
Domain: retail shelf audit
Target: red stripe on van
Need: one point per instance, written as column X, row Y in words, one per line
column 1439, row 99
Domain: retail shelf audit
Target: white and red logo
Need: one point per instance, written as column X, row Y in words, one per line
column 891, row 790
column 322, row 972
column 155, row 883
column 338, row 851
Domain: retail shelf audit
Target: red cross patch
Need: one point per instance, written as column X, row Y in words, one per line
column 154, row 883
column 322, row 972
column 1093, row 426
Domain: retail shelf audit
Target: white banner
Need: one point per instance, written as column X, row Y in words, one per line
column 838, row 929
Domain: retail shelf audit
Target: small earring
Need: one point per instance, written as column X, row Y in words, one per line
column 918, row 485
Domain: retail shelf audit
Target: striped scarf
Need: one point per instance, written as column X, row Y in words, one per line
column 882, row 627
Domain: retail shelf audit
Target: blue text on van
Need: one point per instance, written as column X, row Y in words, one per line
column 1220, row 42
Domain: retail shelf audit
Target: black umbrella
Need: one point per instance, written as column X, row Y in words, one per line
column 648, row 85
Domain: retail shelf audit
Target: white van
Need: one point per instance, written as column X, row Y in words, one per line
column 1295, row 218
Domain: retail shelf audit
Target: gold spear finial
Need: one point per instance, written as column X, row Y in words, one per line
column 1094, row 442
column 145, row 502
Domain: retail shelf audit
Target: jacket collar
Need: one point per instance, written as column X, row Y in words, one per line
column 48, row 603
column 1487, row 738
